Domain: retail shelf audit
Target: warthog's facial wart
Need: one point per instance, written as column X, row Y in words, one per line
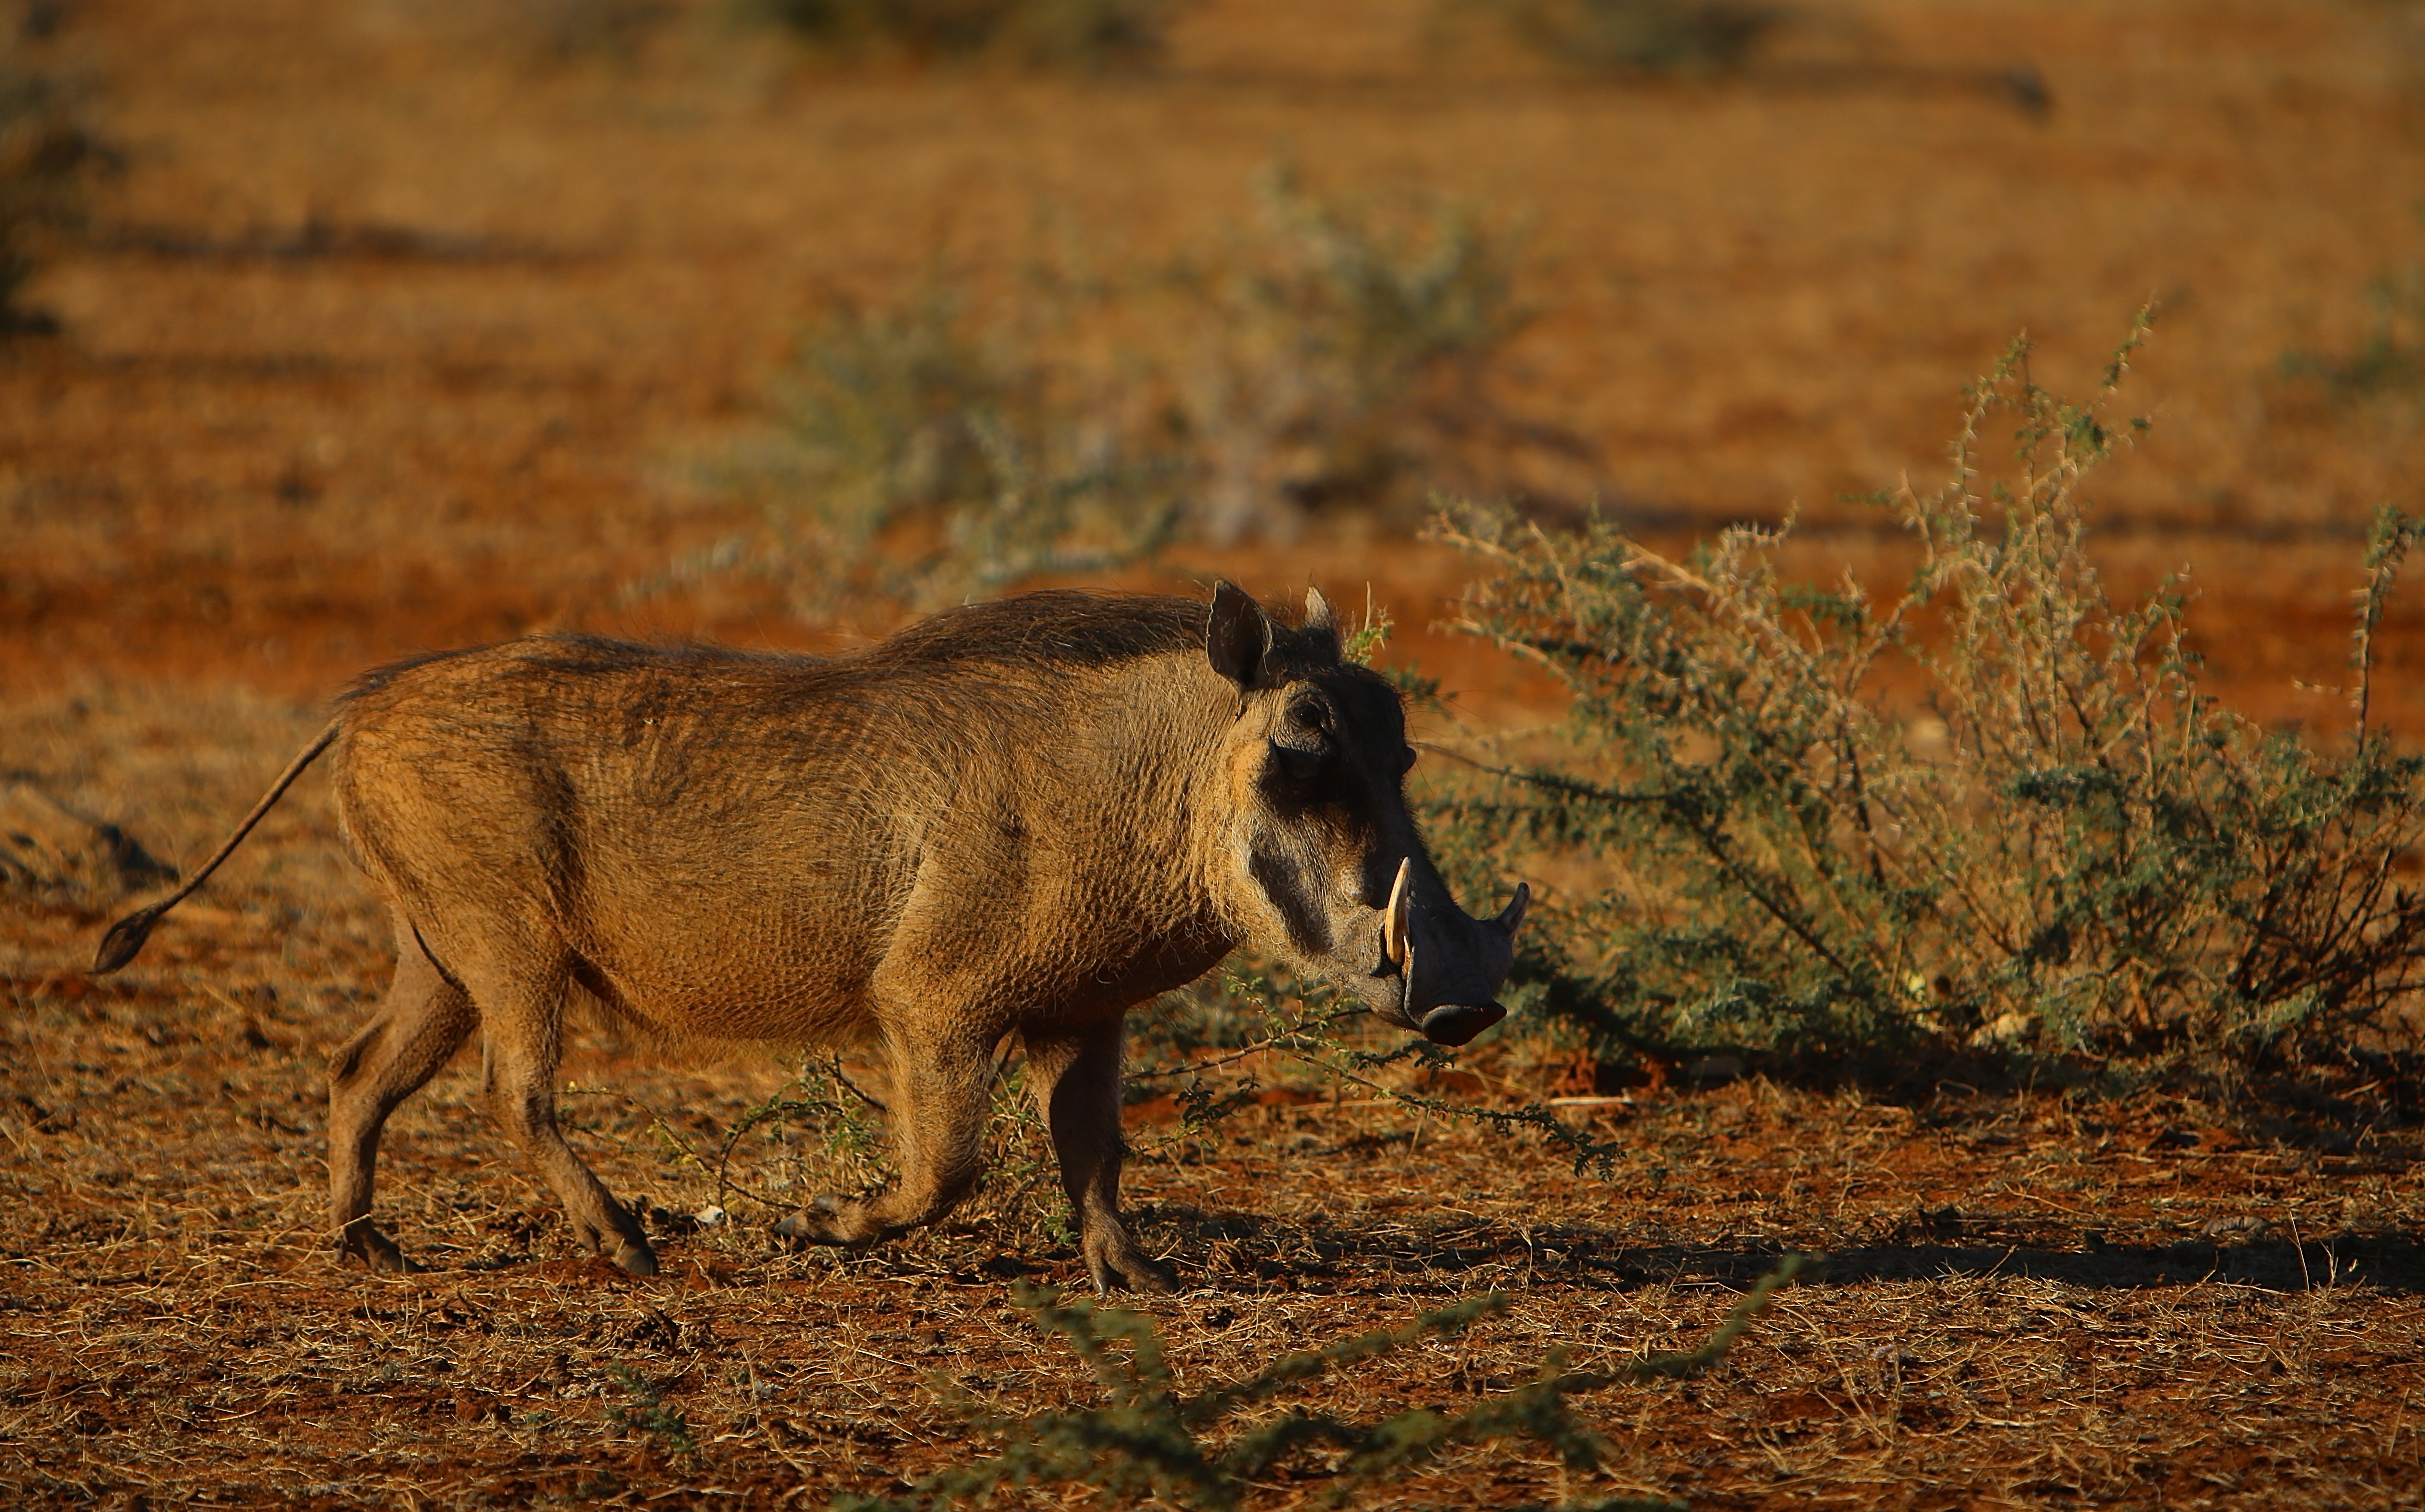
column 1334, row 871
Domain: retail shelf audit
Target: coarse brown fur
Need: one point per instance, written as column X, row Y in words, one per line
column 1022, row 817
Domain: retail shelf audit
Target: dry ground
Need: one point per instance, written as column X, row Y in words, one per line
column 397, row 334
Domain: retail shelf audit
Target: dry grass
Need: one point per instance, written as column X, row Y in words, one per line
column 2030, row 1299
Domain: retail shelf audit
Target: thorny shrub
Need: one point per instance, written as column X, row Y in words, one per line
column 2060, row 835
column 1151, row 1441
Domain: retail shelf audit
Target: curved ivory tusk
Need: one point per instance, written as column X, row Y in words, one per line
column 1393, row 917
column 1512, row 914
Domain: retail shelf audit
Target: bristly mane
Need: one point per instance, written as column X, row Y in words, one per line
column 1062, row 625
column 1057, row 627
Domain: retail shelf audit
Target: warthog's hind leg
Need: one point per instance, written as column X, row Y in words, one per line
column 943, row 1090
column 1077, row 1085
column 425, row 1018
column 522, row 1017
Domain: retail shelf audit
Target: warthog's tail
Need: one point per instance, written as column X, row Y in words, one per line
column 125, row 938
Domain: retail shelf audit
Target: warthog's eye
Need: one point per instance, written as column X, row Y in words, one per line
column 1309, row 714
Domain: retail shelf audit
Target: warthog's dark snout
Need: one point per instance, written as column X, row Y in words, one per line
column 1448, row 964
column 1454, row 1023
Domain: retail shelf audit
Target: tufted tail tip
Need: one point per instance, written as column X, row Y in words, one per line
column 125, row 939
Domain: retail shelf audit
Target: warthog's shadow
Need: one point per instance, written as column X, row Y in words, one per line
column 1461, row 1253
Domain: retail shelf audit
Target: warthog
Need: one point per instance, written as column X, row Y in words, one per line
column 1014, row 818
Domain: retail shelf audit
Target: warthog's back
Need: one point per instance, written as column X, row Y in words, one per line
column 729, row 844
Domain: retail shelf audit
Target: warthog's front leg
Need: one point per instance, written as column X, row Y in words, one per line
column 1077, row 1085
column 942, row 1089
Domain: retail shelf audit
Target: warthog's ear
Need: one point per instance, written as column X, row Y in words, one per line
column 1321, row 626
column 1239, row 636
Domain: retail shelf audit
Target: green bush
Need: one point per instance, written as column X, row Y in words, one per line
column 1080, row 34
column 47, row 159
column 1638, row 36
column 2391, row 359
column 2056, row 833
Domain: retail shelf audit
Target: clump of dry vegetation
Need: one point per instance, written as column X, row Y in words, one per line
column 1338, row 355
column 51, row 852
column 921, row 456
column 562, row 30
column 1993, row 807
column 945, row 446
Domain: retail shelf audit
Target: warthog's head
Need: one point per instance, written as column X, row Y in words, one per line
column 1325, row 865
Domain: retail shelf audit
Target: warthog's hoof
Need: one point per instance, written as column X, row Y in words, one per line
column 635, row 1258
column 1130, row 1272
column 376, row 1250
column 816, row 1224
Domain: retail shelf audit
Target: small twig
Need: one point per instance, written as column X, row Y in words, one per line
column 1587, row 1152
column 1294, row 1032
column 657, row 1122
column 775, row 1104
